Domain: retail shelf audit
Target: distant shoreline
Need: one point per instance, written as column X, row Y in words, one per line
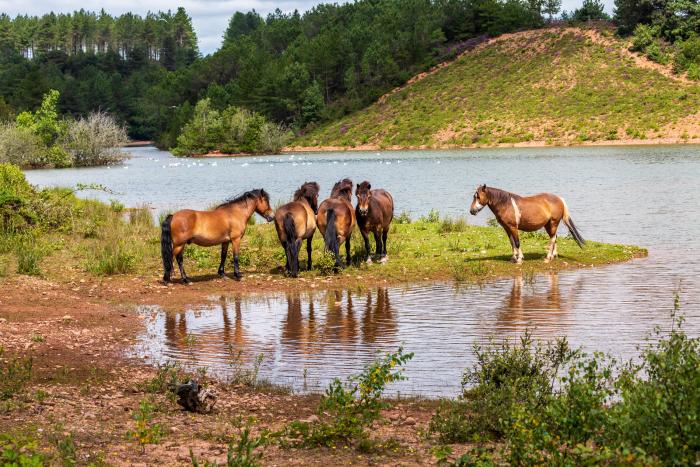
column 523, row 144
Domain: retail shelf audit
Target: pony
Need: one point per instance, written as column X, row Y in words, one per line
column 374, row 212
column 336, row 220
column 295, row 222
column 526, row 213
column 225, row 223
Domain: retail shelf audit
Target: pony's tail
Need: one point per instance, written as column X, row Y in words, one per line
column 292, row 248
column 166, row 247
column 331, row 236
column 569, row 222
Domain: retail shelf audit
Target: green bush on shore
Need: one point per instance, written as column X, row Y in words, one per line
column 42, row 139
column 233, row 130
column 549, row 404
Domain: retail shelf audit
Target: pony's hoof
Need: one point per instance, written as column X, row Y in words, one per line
column 384, row 259
column 237, row 277
column 223, row 277
column 186, row 282
column 369, row 260
column 519, row 261
column 547, row 260
column 514, row 260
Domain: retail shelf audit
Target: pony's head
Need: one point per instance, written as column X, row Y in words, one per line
column 262, row 204
column 342, row 189
column 481, row 199
column 363, row 193
column 309, row 192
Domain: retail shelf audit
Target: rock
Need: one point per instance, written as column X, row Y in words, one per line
column 312, row 419
column 410, row 421
column 193, row 398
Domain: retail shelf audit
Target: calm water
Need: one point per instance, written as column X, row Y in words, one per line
column 647, row 196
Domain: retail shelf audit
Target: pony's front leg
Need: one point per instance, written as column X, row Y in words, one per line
column 515, row 242
column 224, row 252
column 236, row 244
column 365, row 237
column 383, row 257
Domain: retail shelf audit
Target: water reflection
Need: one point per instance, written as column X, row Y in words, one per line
column 309, row 338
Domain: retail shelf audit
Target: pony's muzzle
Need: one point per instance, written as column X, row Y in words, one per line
column 269, row 217
column 476, row 207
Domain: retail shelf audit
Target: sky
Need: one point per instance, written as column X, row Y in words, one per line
column 209, row 17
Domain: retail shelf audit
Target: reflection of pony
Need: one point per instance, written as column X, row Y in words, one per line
column 374, row 211
column 295, row 222
column 336, row 219
column 224, row 224
column 526, row 213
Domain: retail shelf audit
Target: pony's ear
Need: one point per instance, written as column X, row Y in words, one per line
column 483, row 187
column 358, row 185
column 369, row 186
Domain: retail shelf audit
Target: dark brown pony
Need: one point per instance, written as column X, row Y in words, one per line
column 295, row 222
column 336, row 219
column 526, row 213
column 374, row 211
column 226, row 223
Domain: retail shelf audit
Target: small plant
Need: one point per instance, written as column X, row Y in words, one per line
column 433, row 217
column 19, row 450
column 403, row 218
column 165, row 380
column 240, row 374
column 350, row 407
column 114, row 258
column 15, row 372
column 241, row 453
column 65, row 445
column 37, row 338
column 29, row 254
column 325, row 263
column 145, row 431
column 449, row 225
column 116, row 205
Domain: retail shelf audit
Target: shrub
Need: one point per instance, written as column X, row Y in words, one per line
column 449, row 225
column 403, row 218
column 95, row 140
column 349, row 408
column 432, row 217
column 29, row 254
column 662, row 391
column 20, row 146
column 145, row 431
column 234, row 130
column 643, row 37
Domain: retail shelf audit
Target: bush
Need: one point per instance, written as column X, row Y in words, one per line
column 235, row 130
column 114, row 257
column 349, row 408
column 95, row 140
column 643, row 37
column 20, row 146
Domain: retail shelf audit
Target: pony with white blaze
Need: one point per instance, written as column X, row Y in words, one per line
column 526, row 213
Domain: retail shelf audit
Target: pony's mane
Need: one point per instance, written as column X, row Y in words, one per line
column 308, row 189
column 342, row 189
column 364, row 186
column 250, row 194
column 498, row 196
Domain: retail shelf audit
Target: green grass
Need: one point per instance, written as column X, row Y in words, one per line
column 550, row 86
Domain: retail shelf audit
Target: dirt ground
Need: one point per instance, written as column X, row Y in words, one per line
column 83, row 384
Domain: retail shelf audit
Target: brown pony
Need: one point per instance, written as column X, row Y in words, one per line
column 526, row 213
column 336, row 219
column 295, row 222
column 226, row 223
column 374, row 211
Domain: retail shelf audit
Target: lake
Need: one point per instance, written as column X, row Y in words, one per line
column 643, row 195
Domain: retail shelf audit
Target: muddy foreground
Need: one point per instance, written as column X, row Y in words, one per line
column 84, row 387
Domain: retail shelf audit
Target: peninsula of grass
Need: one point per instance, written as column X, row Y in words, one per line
column 555, row 86
column 65, row 239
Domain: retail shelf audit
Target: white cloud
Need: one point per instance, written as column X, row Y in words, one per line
column 209, row 17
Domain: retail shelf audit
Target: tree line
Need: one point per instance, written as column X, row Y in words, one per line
column 295, row 69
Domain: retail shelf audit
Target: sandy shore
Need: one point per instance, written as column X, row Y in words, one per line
column 524, row 144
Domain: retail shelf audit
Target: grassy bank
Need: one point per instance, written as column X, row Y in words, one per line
column 548, row 86
column 63, row 238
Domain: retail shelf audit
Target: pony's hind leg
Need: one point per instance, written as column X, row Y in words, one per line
column 236, row 244
column 551, row 229
column 224, row 253
column 308, row 252
column 178, row 252
column 347, row 250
